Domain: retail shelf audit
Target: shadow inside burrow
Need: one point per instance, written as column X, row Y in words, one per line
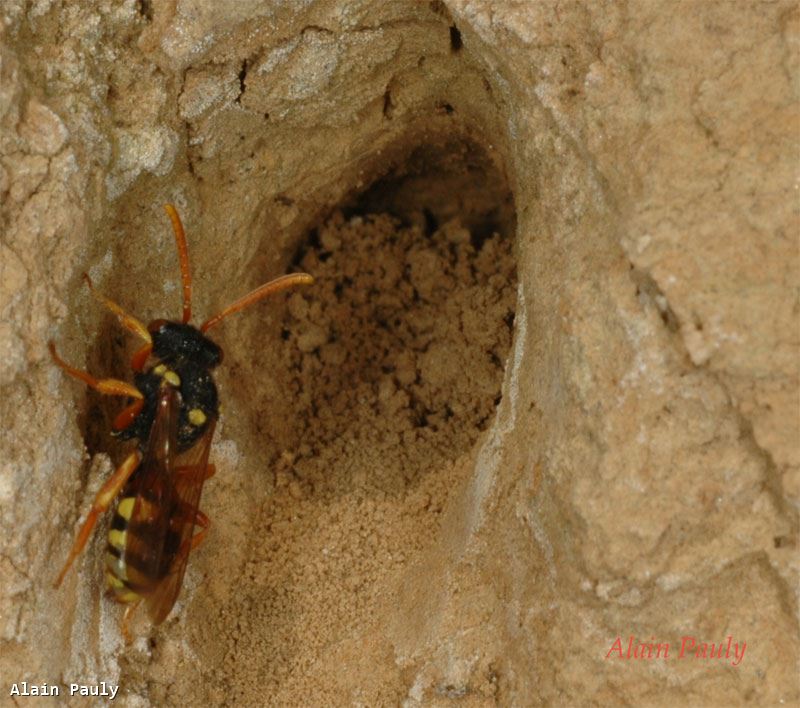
column 354, row 398
column 402, row 341
column 92, row 330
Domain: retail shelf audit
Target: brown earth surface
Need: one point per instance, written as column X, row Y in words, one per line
column 542, row 395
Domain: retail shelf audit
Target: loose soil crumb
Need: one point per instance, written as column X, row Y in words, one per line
column 396, row 360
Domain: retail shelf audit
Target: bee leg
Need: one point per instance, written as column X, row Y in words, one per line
column 126, row 621
column 204, row 522
column 110, row 387
column 129, row 322
column 127, row 415
column 102, row 501
column 139, row 359
column 200, row 519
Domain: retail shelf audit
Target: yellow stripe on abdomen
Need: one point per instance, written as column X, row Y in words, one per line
column 125, row 508
column 117, row 571
column 118, row 538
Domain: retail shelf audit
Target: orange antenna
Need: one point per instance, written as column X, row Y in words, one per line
column 273, row 286
column 183, row 256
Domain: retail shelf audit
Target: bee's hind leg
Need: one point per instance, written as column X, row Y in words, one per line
column 204, row 523
column 126, row 621
column 108, row 492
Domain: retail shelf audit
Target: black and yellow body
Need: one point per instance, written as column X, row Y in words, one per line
column 151, row 531
column 171, row 414
column 182, row 357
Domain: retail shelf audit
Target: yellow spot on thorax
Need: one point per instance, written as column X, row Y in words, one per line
column 197, row 417
column 172, row 378
column 167, row 374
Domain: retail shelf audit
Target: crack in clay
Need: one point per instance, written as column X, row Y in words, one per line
column 775, row 480
column 242, row 78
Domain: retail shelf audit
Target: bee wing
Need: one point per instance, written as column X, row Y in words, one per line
column 187, row 473
column 148, row 528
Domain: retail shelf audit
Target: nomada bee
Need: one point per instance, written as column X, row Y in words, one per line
column 171, row 412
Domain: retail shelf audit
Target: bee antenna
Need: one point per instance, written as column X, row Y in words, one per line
column 273, row 286
column 183, row 257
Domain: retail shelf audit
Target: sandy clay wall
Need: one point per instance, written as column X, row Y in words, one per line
column 542, row 396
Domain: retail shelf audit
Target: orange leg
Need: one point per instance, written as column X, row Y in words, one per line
column 109, row 387
column 204, row 523
column 200, row 519
column 126, row 620
column 139, row 359
column 129, row 322
column 102, row 501
column 127, row 415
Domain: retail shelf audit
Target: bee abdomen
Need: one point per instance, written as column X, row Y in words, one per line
column 124, row 575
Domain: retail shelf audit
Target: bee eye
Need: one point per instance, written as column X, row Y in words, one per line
column 156, row 326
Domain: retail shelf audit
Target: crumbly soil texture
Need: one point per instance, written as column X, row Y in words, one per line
column 393, row 363
column 541, row 398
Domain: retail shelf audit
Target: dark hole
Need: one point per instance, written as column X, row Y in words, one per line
column 484, row 229
column 146, row 9
column 455, row 39
column 782, row 541
column 434, row 181
column 242, row 76
column 388, row 106
column 312, row 242
column 431, row 222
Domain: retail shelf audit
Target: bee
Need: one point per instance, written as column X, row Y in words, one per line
column 171, row 412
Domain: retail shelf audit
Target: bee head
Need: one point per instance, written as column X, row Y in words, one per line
column 173, row 340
